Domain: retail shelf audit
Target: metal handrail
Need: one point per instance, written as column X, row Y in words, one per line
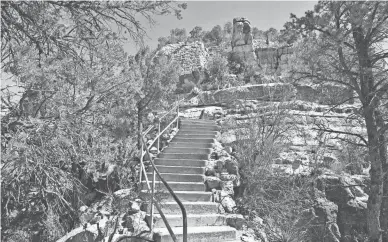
column 156, row 172
column 177, row 200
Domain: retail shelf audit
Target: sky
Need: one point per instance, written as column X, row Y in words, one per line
column 207, row 14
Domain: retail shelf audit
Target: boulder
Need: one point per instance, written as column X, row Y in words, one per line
column 231, row 166
column 229, row 150
column 210, row 171
column 227, row 187
column 227, row 202
column 213, row 182
column 88, row 233
column 236, row 221
column 320, row 220
column 123, row 200
column 347, row 192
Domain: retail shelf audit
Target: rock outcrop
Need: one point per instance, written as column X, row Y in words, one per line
column 262, row 92
column 324, row 94
column 348, row 193
column 242, row 47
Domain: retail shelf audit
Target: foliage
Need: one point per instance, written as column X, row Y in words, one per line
column 178, row 35
column 353, row 156
column 271, row 35
column 217, row 67
column 272, row 196
column 197, row 33
column 215, row 35
column 257, row 34
column 68, row 27
column 158, row 80
column 69, row 137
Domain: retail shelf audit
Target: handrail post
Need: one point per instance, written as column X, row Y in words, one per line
column 141, row 154
column 158, row 145
column 177, row 114
column 152, row 199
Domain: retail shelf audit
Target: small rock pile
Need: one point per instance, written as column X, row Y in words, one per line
column 222, row 176
column 114, row 216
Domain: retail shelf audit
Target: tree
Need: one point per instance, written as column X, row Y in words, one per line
column 74, row 117
column 346, row 50
column 215, row 35
column 159, row 82
column 178, row 35
column 257, row 34
column 228, row 28
column 217, row 67
column 67, row 27
column 270, row 35
column 196, row 33
column 288, row 35
column 163, row 41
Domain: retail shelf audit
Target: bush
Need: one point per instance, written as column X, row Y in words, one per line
column 217, row 68
column 276, row 198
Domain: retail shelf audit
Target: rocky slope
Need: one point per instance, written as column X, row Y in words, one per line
column 338, row 198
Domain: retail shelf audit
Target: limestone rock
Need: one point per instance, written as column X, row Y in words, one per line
column 262, row 92
column 229, row 150
column 212, row 182
column 323, row 213
column 227, row 202
column 227, row 187
column 123, row 200
column 347, row 193
column 231, row 166
column 236, row 221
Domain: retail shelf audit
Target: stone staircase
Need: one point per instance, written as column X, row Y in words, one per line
column 182, row 165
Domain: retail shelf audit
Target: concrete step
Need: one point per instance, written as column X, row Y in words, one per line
column 187, row 150
column 198, row 234
column 183, row 132
column 196, row 136
column 181, row 169
column 191, row 208
column 198, row 127
column 180, row 162
column 184, row 196
column 176, row 177
column 193, row 220
column 192, row 156
column 188, row 144
column 193, row 140
column 202, row 121
column 177, row 186
column 184, row 122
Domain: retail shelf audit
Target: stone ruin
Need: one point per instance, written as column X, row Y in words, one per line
column 192, row 58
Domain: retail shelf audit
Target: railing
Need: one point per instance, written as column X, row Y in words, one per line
column 145, row 151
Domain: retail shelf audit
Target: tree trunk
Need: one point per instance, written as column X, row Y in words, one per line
column 376, row 175
column 370, row 102
column 384, row 161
